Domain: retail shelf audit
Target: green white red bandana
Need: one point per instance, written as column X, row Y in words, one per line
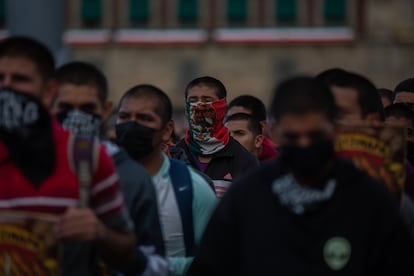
column 206, row 134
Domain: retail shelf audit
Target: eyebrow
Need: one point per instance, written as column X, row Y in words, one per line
column 239, row 130
column 123, row 112
column 201, row 97
column 21, row 77
column 18, row 77
column 65, row 105
column 89, row 105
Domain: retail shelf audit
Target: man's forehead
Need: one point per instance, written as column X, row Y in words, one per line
column 398, row 120
column 404, row 96
column 202, row 90
column 134, row 104
column 238, row 123
column 304, row 121
column 238, row 109
column 77, row 92
column 341, row 93
column 19, row 63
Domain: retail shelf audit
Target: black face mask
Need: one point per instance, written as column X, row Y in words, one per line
column 26, row 131
column 80, row 122
column 307, row 162
column 135, row 138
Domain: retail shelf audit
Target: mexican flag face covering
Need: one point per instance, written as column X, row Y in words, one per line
column 207, row 134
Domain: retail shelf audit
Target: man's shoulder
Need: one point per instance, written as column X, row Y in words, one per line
column 268, row 152
column 260, row 177
column 346, row 170
column 178, row 169
column 200, row 179
column 131, row 173
column 239, row 153
column 181, row 144
column 236, row 148
column 127, row 165
column 360, row 183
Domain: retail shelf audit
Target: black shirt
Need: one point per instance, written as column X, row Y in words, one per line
column 357, row 231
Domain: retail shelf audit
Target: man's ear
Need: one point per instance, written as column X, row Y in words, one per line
column 167, row 132
column 258, row 140
column 49, row 93
column 107, row 110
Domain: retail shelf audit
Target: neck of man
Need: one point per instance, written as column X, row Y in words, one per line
column 153, row 162
column 204, row 158
column 318, row 181
column 258, row 151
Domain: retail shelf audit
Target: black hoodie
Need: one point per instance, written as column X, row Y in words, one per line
column 357, row 231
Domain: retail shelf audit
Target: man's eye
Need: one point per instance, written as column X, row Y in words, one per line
column 291, row 136
column 88, row 109
column 146, row 118
column 21, row 78
column 123, row 116
column 65, row 107
column 316, row 135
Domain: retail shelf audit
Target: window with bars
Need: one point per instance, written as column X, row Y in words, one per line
column 91, row 12
column 187, row 12
column 286, row 11
column 139, row 12
column 237, row 12
column 334, row 12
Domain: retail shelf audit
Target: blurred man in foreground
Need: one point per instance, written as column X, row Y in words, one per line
column 36, row 175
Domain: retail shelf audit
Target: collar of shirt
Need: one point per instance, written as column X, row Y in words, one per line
column 163, row 172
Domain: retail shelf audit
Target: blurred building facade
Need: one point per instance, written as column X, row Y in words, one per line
column 248, row 44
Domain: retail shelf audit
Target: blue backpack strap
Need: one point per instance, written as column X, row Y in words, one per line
column 183, row 188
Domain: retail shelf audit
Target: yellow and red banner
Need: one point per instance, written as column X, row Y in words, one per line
column 28, row 245
column 377, row 149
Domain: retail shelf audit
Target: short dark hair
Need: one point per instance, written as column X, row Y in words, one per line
column 406, row 85
column 164, row 108
column 400, row 110
column 300, row 95
column 31, row 49
column 208, row 81
column 82, row 73
column 368, row 98
column 328, row 75
column 252, row 123
column 251, row 103
column 384, row 92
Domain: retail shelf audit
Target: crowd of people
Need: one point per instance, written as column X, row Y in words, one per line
column 246, row 191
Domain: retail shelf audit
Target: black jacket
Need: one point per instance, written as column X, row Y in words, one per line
column 252, row 233
column 140, row 198
column 233, row 160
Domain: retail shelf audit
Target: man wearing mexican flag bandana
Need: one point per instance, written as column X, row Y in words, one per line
column 206, row 135
column 207, row 143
